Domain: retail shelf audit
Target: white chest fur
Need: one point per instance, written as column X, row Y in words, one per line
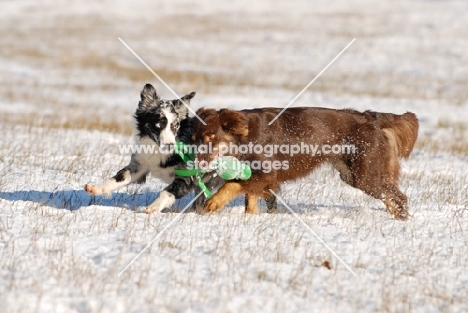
column 151, row 158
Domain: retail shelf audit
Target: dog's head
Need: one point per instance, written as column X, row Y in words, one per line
column 160, row 119
column 222, row 127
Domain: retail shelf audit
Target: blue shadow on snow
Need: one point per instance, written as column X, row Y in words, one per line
column 76, row 199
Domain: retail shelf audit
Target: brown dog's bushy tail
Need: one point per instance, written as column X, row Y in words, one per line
column 401, row 130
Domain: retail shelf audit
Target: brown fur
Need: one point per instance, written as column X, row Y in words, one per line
column 380, row 139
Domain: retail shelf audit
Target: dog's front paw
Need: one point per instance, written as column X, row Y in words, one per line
column 93, row 190
column 150, row 209
column 212, row 205
column 154, row 207
column 97, row 191
column 165, row 200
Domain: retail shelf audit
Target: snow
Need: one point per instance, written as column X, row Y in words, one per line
column 61, row 249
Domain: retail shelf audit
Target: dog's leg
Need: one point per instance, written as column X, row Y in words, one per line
column 180, row 187
column 399, row 212
column 212, row 181
column 229, row 191
column 165, row 200
column 342, row 168
column 198, row 204
column 271, row 203
column 251, row 199
column 130, row 174
column 251, row 203
column 396, row 202
column 375, row 170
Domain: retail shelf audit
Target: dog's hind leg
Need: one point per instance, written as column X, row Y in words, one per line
column 132, row 173
column 375, row 170
column 343, row 169
column 396, row 202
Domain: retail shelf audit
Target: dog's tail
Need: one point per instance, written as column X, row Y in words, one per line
column 401, row 130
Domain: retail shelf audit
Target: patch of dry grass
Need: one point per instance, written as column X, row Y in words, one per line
column 69, row 120
column 457, row 144
column 77, row 49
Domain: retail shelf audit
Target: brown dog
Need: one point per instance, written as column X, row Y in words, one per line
column 378, row 141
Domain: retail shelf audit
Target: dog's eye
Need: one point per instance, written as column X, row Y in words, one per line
column 210, row 137
column 157, row 125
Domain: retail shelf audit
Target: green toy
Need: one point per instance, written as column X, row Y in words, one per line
column 229, row 167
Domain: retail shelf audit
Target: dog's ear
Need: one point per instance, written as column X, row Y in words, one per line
column 179, row 106
column 234, row 122
column 148, row 96
column 201, row 111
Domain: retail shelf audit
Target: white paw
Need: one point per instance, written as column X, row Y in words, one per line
column 165, row 200
column 93, row 190
column 150, row 209
column 96, row 190
column 157, row 206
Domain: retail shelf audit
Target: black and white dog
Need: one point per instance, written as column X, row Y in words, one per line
column 159, row 122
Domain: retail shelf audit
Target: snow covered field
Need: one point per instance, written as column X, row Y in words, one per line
column 68, row 88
